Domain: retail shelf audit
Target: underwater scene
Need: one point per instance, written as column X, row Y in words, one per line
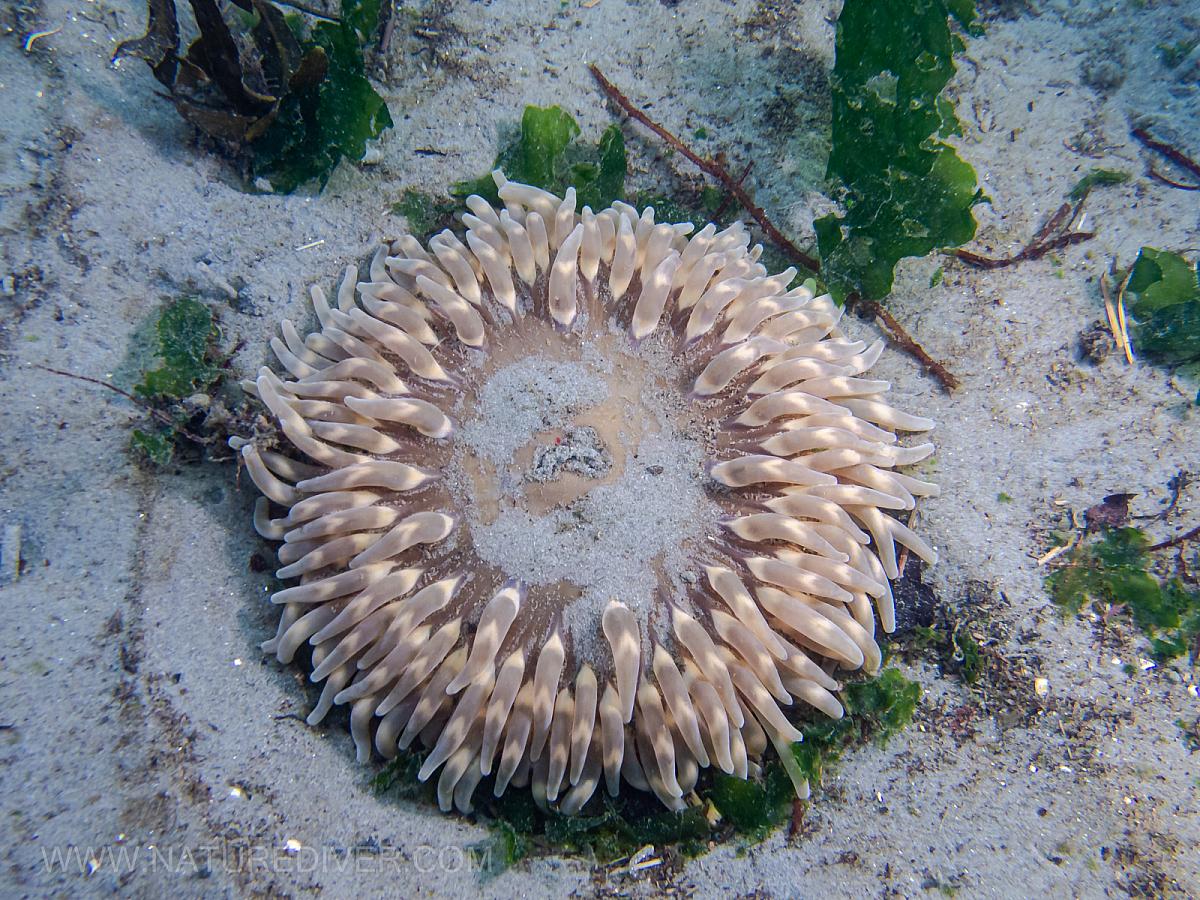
column 616, row 448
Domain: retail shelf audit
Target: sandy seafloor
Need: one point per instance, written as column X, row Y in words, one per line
column 138, row 712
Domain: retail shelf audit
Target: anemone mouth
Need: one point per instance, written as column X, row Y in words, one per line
column 586, row 497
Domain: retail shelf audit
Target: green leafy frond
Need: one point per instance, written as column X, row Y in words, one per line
column 548, row 154
column 1163, row 298
column 323, row 121
column 905, row 191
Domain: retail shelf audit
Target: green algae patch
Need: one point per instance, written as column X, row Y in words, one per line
column 175, row 392
column 547, row 153
column 1173, row 54
column 956, row 650
column 399, row 777
column 156, row 445
column 1189, row 734
column 425, row 212
column 503, row 849
column 698, row 207
column 905, row 191
column 1162, row 297
column 876, row 710
column 754, row 808
column 625, row 826
column 187, row 338
column 1113, row 571
column 607, row 829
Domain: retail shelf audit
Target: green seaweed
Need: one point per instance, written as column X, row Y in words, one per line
column 968, row 655
column 289, row 100
column 157, row 445
column 1093, row 179
column 956, row 650
column 399, row 776
column 320, row 123
column 1189, row 733
column 190, row 364
column 754, row 808
column 548, row 154
column 1113, row 570
column 1162, row 297
column 425, row 213
column 623, row 827
column 905, row 191
column 501, row 850
column 876, row 710
column 186, row 344
column 608, row 828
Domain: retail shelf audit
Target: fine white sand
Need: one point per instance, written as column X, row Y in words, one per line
column 636, row 511
column 527, row 397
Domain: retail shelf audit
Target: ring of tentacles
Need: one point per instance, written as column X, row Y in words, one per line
column 579, row 496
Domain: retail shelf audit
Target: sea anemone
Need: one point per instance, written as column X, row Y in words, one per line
column 580, row 496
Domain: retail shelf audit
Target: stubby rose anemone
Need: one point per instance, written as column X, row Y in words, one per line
column 580, row 496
